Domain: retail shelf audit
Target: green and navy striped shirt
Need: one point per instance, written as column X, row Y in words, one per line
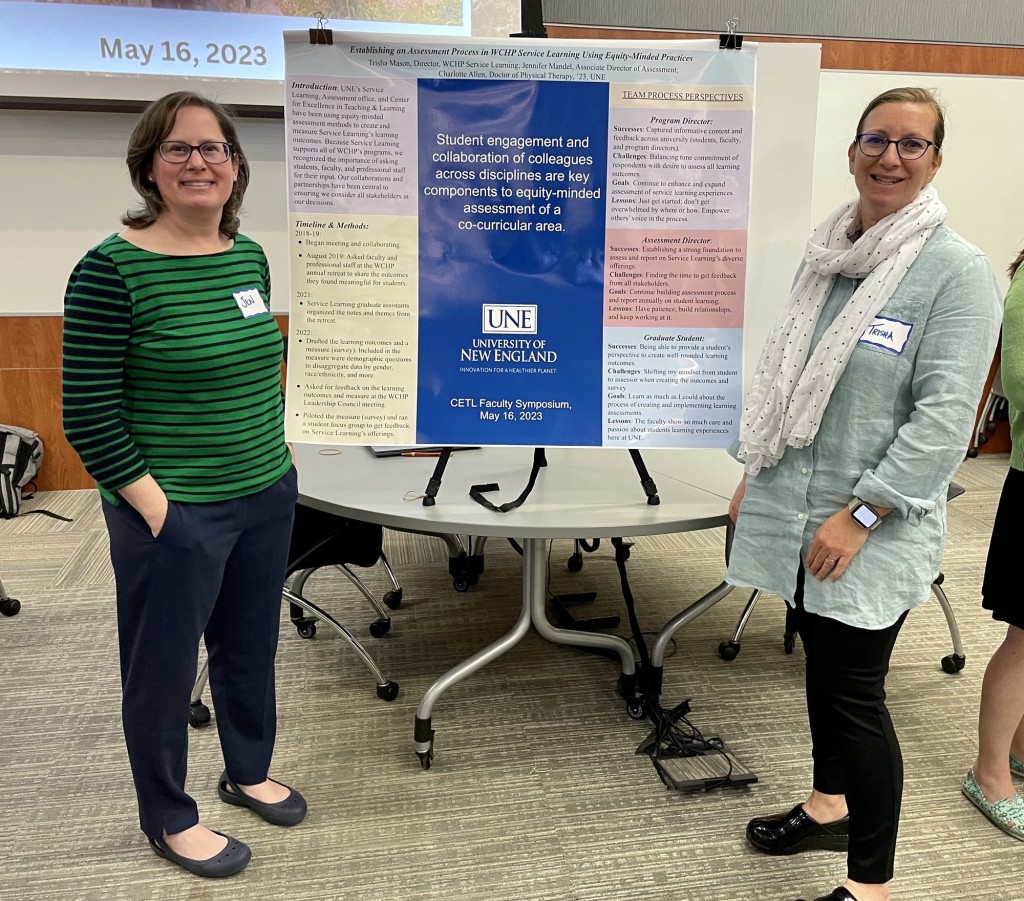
column 164, row 375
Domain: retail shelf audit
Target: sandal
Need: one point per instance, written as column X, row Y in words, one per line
column 1007, row 814
column 233, row 859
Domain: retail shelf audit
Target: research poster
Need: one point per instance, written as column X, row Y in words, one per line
column 519, row 242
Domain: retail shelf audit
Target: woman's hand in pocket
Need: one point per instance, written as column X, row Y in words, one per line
column 156, row 518
column 148, row 498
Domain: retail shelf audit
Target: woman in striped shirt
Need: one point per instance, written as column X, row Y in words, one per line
column 172, row 398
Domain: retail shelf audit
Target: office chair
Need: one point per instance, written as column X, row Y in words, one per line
column 729, row 648
column 321, row 540
column 996, row 408
column 8, row 606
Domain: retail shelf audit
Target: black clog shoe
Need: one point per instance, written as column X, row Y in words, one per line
column 839, row 894
column 795, row 831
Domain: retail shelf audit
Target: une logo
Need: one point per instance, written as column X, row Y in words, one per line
column 505, row 318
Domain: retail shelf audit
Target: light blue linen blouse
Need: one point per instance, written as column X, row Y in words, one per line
column 893, row 434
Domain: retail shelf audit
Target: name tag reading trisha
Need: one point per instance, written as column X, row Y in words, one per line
column 889, row 334
column 250, row 303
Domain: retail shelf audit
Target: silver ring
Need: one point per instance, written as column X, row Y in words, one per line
column 830, row 559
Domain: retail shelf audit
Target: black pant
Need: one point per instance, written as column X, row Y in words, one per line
column 215, row 569
column 856, row 751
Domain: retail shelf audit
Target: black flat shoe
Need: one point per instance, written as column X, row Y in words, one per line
column 231, row 860
column 793, row 832
column 839, row 894
column 289, row 812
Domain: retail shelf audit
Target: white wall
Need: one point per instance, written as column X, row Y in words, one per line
column 982, row 176
column 64, row 187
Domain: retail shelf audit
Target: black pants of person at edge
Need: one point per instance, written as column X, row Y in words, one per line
column 855, row 749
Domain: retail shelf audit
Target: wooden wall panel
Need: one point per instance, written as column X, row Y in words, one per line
column 30, row 393
column 30, row 398
column 30, row 342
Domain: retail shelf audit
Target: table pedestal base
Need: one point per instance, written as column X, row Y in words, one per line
column 535, row 552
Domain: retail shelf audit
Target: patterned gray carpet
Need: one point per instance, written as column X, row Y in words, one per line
column 535, row 793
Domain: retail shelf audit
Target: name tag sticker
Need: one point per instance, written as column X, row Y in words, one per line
column 250, row 303
column 889, row 334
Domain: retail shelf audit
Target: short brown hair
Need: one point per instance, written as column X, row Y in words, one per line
column 155, row 124
column 910, row 95
column 1015, row 265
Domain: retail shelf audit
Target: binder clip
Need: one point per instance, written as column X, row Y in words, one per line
column 731, row 40
column 321, row 34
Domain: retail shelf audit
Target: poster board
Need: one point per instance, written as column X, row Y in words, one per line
column 448, row 199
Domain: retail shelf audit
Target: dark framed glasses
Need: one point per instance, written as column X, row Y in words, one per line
column 180, row 152
column 907, row 148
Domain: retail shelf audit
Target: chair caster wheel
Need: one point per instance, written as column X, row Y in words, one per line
column 460, row 584
column 380, row 628
column 953, row 663
column 306, row 630
column 728, row 649
column 636, row 709
column 575, row 563
column 393, row 599
column 10, row 606
column 387, row 692
column 788, row 642
column 972, row 453
column 198, row 715
column 426, row 758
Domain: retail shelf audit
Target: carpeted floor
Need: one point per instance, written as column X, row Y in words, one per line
column 535, row 793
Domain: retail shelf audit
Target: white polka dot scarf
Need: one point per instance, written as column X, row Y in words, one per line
column 789, row 392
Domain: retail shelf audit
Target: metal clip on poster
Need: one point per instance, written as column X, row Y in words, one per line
column 731, row 40
column 321, row 34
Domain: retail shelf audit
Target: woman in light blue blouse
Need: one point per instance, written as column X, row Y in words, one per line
column 857, row 417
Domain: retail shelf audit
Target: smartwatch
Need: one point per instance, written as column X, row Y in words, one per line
column 863, row 515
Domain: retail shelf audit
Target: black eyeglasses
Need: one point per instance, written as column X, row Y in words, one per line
column 180, row 152
column 907, row 148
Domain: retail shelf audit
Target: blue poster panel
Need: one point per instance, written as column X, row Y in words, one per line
column 511, row 231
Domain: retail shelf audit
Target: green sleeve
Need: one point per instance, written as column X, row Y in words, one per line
column 1012, row 367
column 97, row 329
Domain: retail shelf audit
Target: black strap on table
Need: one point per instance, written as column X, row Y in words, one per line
column 477, row 491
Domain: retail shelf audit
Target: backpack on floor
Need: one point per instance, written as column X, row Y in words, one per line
column 21, row 455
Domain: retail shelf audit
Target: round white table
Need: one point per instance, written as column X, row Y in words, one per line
column 582, row 492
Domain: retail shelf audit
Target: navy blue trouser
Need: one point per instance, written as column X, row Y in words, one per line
column 215, row 570
column 855, row 748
